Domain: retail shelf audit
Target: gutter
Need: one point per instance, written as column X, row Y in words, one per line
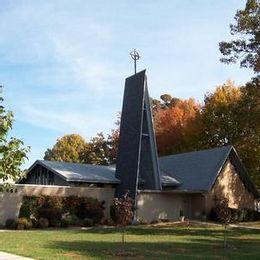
column 173, row 191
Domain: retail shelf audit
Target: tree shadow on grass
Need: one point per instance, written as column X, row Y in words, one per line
column 176, row 231
column 199, row 248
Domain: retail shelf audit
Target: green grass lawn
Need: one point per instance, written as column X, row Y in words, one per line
column 143, row 242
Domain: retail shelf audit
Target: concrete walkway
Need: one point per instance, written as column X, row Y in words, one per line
column 218, row 224
column 242, row 226
column 6, row 256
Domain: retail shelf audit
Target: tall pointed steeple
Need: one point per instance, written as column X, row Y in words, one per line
column 137, row 158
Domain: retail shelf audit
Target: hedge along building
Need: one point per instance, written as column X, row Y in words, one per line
column 189, row 183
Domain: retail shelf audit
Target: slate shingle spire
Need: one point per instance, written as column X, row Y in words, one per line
column 137, row 152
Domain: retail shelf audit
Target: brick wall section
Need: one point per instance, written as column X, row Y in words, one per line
column 229, row 185
column 10, row 203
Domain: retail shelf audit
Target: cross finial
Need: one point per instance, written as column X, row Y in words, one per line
column 135, row 56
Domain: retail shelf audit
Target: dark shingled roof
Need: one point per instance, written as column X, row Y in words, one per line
column 198, row 171
column 78, row 172
column 195, row 170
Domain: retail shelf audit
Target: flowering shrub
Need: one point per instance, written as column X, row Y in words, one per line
column 43, row 223
column 23, row 223
column 52, row 208
column 70, row 204
column 90, row 208
column 25, row 211
column 52, row 214
column 123, row 210
column 49, row 202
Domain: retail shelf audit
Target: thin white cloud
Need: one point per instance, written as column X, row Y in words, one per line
column 62, row 122
column 46, row 37
column 92, row 74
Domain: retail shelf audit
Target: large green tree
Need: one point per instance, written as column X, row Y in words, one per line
column 97, row 151
column 12, row 150
column 68, row 148
column 220, row 116
column 249, row 125
column 245, row 47
column 231, row 115
column 74, row 148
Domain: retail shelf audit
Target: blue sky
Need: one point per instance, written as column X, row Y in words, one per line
column 63, row 62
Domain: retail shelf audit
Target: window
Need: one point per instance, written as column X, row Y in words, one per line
column 51, row 178
column 44, row 176
column 36, row 180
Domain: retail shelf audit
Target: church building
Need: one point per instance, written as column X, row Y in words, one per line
column 162, row 187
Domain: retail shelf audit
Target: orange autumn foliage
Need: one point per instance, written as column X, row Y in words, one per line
column 176, row 124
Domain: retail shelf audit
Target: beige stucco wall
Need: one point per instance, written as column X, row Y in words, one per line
column 167, row 205
column 10, row 203
column 229, row 185
column 162, row 205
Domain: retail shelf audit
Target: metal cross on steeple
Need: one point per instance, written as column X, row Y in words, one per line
column 135, row 56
